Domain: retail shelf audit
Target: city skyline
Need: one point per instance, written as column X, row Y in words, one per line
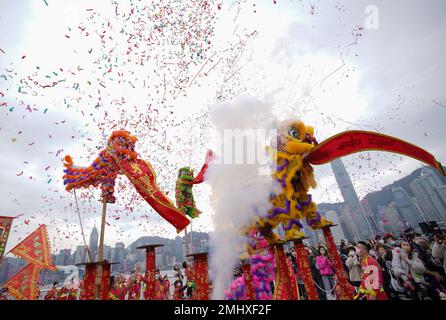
column 401, row 212
column 389, row 210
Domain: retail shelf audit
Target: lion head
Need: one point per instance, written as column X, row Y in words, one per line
column 294, row 137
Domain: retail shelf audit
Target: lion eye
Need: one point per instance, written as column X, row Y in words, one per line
column 293, row 133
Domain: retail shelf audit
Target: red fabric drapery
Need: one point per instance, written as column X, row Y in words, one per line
column 142, row 176
column 105, row 281
column 305, row 271
column 201, row 175
column 201, row 276
column 350, row 142
column 249, row 287
column 345, row 290
column 87, row 291
column 150, row 290
column 286, row 286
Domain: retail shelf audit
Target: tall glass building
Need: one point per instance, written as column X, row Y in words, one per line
column 358, row 216
column 407, row 209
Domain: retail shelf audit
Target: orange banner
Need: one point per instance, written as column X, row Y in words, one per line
column 24, row 284
column 142, row 176
column 350, row 142
column 36, row 249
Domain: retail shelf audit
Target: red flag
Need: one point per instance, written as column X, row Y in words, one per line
column 36, row 249
column 350, row 142
column 5, row 227
column 24, row 284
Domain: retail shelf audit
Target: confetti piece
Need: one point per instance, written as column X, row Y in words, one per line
column 44, row 111
column 45, row 2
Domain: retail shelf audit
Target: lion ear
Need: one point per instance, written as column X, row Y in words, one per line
column 310, row 130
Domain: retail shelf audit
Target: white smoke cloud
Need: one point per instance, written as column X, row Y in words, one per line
column 238, row 191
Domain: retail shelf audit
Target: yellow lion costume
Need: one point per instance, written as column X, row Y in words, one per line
column 293, row 177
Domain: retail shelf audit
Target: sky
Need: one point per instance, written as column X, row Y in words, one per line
column 71, row 72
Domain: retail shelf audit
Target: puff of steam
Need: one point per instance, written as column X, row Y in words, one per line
column 239, row 193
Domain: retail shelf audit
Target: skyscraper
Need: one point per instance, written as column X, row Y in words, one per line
column 346, row 223
column 392, row 219
column 425, row 190
column 107, row 253
column 337, row 231
column 441, row 190
column 406, row 208
column 93, row 244
column 348, row 192
column 373, row 219
column 80, row 255
column 119, row 256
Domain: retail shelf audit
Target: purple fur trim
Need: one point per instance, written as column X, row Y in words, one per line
column 317, row 219
column 307, row 202
column 290, row 224
column 279, row 210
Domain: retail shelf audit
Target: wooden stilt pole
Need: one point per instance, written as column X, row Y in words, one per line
column 101, row 240
column 187, row 241
column 87, row 249
column 101, row 249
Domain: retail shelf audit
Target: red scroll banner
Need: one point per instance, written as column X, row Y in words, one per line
column 5, row 227
column 142, row 176
column 345, row 289
column 87, row 291
column 305, row 270
column 105, row 281
column 249, row 288
column 149, row 278
column 286, row 285
column 201, row 276
column 350, row 142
